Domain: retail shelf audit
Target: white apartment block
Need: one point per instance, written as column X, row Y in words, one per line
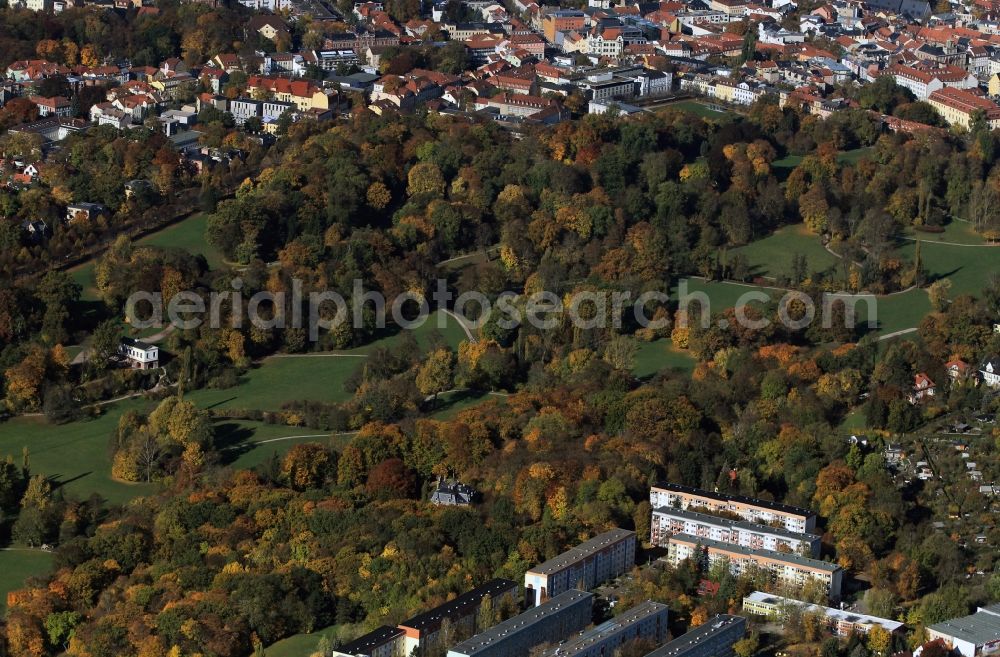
column 792, row 518
column 786, row 569
column 668, row 521
column 595, row 561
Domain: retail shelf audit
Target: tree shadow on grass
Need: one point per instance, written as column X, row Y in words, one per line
column 231, row 440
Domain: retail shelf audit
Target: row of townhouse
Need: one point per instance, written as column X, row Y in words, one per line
column 667, row 521
column 782, row 568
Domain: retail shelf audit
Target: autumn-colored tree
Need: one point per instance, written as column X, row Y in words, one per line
column 306, row 466
column 435, row 375
column 390, row 479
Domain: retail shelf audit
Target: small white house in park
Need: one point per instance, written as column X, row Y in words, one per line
column 139, row 355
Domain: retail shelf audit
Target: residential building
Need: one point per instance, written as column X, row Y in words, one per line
column 840, row 622
column 551, row 622
column 592, row 562
column 509, row 106
column 786, row 569
column 958, row 107
column 84, row 212
column 55, row 106
column 714, row 638
column 450, row 492
column 647, row 620
column 668, row 521
column 606, row 85
column 926, row 80
column 563, row 20
column 139, row 355
column 793, row 518
column 989, row 371
column 958, row 370
column 923, row 388
column 422, row 631
column 384, row 641
column 971, row 636
column 243, row 109
column 302, row 93
column 733, row 9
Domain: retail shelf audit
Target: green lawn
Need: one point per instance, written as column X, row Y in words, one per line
column 313, row 377
column 849, row 158
column 188, row 235
column 968, row 268
column 74, row 455
column 83, row 275
column 16, row 565
column 701, row 109
column 772, row 256
column 298, row 645
column 853, row 422
column 245, row 444
column 721, row 294
column 958, row 232
column 450, row 404
column 658, row 355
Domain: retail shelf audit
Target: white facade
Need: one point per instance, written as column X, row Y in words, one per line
column 794, row 519
column 786, row 569
column 667, row 522
column 139, row 354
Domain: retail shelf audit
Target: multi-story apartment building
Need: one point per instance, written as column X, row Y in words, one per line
column 792, row 518
column 384, row 641
column 787, row 569
column 422, row 631
column 714, row 638
column 668, row 521
column 643, row 621
column 840, row 622
column 563, row 615
column 605, row 556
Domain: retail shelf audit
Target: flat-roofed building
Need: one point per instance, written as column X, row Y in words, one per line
column 840, row 622
column 792, row 518
column 972, row 636
column 422, row 631
column 647, row 620
column 592, row 562
column 551, row 622
column 788, row 569
column 668, row 521
column 714, row 638
column 384, row 641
